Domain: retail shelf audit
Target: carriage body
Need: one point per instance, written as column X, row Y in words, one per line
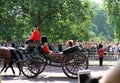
column 58, row 57
column 71, row 60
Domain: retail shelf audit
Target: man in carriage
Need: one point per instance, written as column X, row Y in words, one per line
column 46, row 49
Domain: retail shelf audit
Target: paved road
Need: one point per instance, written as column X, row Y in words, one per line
column 50, row 75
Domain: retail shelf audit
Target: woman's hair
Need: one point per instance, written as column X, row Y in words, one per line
column 70, row 43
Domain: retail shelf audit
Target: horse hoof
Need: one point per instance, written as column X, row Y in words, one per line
column 20, row 74
column 13, row 73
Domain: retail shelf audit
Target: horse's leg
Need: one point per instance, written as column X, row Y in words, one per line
column 12, row 69
column 11, row 66
column 19, row 70
column 4, row 66
column 19, row 67
column 16, row 58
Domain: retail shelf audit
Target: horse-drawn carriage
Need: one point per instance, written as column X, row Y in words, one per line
column 71, row 60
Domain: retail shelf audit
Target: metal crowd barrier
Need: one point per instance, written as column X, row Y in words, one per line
column 107, row 56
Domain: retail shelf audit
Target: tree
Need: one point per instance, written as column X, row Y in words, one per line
column 58, row 19
column 100, row 27
column 12, row 21
column 113, row 9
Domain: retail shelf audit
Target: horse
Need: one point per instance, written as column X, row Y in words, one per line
column 9, row 57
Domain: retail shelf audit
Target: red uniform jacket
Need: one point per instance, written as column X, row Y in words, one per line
column 35, row 36
column 46, row 49
column 101, row 53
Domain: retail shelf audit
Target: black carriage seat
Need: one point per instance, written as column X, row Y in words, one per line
column 41, row 49
column 33, row 46
column 72, row 49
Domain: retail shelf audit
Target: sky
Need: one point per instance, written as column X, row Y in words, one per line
column 98, row 1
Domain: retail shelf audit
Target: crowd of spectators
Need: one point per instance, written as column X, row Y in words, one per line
column 111, row 47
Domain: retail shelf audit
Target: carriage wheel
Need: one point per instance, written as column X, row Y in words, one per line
column 74, row 62
column 32, row 67
column 42, row 64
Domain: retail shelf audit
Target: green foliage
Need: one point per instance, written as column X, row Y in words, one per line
column 100, row 24
column 113, row 9
column 12, row 20
column 58, row 19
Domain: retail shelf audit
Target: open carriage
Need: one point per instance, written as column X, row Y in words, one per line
column 71, row 60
